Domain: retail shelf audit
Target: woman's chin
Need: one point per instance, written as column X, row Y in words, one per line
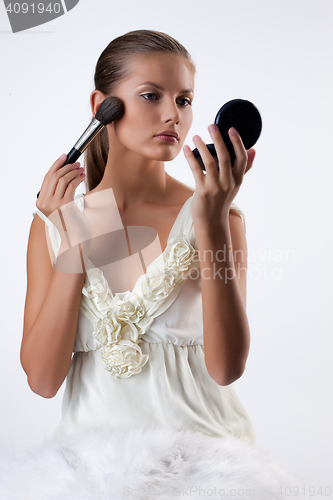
column 167, row 155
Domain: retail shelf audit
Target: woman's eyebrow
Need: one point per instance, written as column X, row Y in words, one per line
column 190, row 91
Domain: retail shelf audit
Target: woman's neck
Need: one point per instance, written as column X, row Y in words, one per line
column 135, row 181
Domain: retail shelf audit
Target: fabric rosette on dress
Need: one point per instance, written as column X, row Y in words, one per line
column 120, row 322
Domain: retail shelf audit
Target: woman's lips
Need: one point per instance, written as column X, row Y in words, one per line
column 168, row 138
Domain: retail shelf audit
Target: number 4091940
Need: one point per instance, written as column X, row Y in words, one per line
column 40, row 8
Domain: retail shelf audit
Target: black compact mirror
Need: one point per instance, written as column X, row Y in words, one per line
column 246, row 119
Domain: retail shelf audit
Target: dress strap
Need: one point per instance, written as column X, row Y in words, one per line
column 53, row 231
column 236, row 207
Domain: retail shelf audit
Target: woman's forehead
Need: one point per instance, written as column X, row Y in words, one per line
column 160, row 66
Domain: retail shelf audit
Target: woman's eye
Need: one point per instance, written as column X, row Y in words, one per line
column 186, row 102
column 149, row 94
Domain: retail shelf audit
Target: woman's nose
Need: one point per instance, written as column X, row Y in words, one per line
column 170, row 111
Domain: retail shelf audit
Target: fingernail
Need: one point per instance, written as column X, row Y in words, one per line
column 62, row 157
column 233, row 131
column 186, row 149
column 196, row 138
column 212, row 128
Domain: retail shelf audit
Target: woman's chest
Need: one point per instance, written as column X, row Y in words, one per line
column 158, row 222
column 124, row 255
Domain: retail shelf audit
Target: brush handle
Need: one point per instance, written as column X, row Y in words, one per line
column 72, row 156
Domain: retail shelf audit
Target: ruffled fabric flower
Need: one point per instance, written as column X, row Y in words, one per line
column 128, row 310
column 123, row 359
column 98, row 290
column 177, row 259
column 179, row 254
column 107, row 330
column 159, row 284
column 119, row 331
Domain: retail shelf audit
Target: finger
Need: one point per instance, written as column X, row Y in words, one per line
column 251, row 153
column 58, row 163
column 221, row 149
column 64, row 182
column 194, row 165
column 207, row 158
column 72, row 185
column 222, row 153
column 241, row 154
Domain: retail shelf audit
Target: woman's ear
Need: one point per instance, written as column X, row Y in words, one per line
column 96, row 99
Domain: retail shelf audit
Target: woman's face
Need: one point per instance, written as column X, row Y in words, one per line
column 152, row 108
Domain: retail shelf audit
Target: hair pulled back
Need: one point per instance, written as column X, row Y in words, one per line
column 110, row 70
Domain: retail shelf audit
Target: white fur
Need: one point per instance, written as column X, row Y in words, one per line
column 142, row 464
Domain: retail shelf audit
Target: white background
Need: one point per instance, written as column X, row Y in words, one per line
column 278, row 55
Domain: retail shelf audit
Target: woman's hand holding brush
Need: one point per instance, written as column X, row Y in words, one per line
column 56, row 201
column 59, row 185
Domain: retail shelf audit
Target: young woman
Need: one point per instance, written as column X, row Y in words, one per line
column 158, row 325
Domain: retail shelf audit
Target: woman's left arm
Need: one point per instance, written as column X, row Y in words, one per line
column 222, row 251
column 223, row 285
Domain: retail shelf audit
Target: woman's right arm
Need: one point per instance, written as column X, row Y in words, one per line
column 53, row 298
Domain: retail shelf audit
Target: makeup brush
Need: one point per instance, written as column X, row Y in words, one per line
column 110, row 109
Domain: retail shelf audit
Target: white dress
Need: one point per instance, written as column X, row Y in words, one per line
column 141, row 417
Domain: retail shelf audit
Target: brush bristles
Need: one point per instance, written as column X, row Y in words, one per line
column 110, row 109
